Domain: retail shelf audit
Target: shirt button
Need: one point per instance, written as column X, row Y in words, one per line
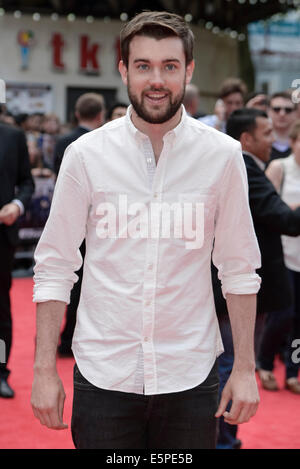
column 148, row 302
column 155, row 195
column 149, row 160
column 146, row 339
column 150, row 266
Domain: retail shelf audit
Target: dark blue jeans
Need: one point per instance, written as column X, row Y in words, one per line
column 276, row 333
column 71, row 313
column 103, row 419
column 280, row 329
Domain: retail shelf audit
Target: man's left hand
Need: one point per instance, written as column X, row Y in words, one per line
column 9, row 213
column 241, row 388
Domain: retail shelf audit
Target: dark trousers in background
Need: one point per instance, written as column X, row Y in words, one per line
column 6, row 264
column 276, row 332
column 71, row 312
column 104, row 419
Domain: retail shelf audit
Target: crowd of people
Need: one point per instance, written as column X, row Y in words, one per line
column 44, row 132
column 268, row 129
column 47, row 138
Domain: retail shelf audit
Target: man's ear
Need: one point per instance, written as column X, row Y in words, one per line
column 189, row 72
column 123, row 72
column 246, row 140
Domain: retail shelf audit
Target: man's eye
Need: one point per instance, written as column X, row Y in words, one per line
column 143, row 66
column 170, row 67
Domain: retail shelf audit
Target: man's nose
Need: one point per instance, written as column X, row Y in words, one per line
column 156, row 78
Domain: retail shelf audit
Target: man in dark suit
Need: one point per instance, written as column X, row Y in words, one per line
column 272, row 218
column 90, row 114
column 16, row 189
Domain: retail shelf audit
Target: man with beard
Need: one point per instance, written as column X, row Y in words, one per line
column 147, row 337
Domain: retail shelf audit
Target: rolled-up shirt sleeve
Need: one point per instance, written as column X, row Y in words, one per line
column 57, row 256
column 236, row 253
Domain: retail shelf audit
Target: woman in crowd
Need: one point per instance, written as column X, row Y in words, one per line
column 285, row 175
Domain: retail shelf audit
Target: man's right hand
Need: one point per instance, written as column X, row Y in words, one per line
column 47, row 399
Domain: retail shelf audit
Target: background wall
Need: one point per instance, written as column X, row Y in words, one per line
column 215, row 56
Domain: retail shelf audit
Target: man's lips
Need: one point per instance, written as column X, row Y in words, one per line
column 156, row 97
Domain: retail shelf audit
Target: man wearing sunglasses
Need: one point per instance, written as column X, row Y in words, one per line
column 283, row 114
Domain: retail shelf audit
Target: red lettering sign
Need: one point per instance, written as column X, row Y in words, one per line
column 57, row 44
column 88, row 56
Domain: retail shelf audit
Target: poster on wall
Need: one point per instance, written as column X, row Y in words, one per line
column 29, row 98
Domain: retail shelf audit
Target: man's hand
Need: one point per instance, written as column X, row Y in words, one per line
column 260, row 102
column 47, row 399
column 241, row 388
column 9, row 213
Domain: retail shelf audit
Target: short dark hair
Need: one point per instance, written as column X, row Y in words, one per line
column 113, row 107
column 88, row 105
column 21, row 118
column 243, row 120
column 282, row 94
column 159, row 25
column 233, row 85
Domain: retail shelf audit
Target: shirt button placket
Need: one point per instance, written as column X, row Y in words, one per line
column 149, row 307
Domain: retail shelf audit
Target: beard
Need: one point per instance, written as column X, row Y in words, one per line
column 156, row 115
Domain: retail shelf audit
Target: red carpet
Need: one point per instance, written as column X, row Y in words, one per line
column 275, row 426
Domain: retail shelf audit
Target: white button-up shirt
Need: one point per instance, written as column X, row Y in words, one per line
column 146, row 321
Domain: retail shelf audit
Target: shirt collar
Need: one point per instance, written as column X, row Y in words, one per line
column 259, row 163
column 139, row 135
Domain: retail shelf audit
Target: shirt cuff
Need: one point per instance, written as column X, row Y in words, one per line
column 43, row 294
column 19, row 204
column 242, row 284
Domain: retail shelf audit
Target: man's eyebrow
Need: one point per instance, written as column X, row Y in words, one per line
column 140, row 60
column 171, row 60
column 164, row 61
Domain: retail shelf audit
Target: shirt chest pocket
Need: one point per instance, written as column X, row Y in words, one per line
column 192, row 232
